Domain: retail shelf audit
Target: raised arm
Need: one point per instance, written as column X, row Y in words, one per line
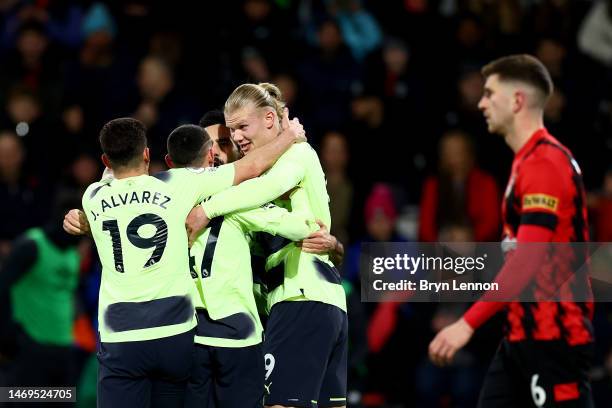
column 286, row 174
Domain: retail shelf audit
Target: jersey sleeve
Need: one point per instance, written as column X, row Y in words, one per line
column 287, row 173
column 277, row 221
column 542, row 190
column 196, row 184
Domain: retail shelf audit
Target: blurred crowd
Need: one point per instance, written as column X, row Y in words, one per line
column 387, row 92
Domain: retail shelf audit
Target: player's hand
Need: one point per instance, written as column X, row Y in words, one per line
column 319, row 242
column 448, row 341
column 196, row 222
column 75, row 222
column 292, row 128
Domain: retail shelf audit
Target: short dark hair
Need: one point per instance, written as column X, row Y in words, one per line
column 213, row 117
column 187, row 145
column 524, row 68
column 123, row 141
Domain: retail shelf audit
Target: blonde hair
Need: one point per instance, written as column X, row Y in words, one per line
column 261, row 95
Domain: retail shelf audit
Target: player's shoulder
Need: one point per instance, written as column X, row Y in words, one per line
column 94, row 188
column 178, row 172
column 300, row 149
column 550, row 149
column 300, row 153
column 548, row 157
column 176, row 175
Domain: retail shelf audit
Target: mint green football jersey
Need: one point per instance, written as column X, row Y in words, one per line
column 305, row 276
column 138, row 225
column 221, row 267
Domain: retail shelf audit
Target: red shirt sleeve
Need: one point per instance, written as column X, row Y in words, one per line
column 540, row 187
column 515, row 275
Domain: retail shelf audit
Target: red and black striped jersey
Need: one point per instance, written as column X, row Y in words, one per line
column 546, row 190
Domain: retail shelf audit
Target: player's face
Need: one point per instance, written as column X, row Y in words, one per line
column 496, row 104
column 251, row 127
column 224, row 149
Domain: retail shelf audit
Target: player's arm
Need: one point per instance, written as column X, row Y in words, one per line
column 277, row 221
column 539, row 218
column 247, row 195
column 322, row 242
column 261, row 159
column 199, row 184
column 20, row 260
column 541, row 193
column 282, row 177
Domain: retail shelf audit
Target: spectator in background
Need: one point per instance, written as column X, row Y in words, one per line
column 380, row 216
column 290, row 89
column 328, row 77
column 359, row 28
column 260, row 25
column 463, row 114
column 96, row 80
column 596, row 31
column 19, row 201
column 456, row 385
column 254, row 66
column 38, row 284
column 391, row 325
column 61, row 20
column 555, row 18
column 24, row 115
column 334, row 159
column 161, row 106
column 461, row 193
column 391, row 76
column 470, row 38
column 32, row 65
column 555, row 115
column 552, row 53
column 168, row 46
column 83, row 171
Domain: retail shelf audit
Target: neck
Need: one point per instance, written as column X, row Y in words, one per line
column 522, row 129
column 126, row 172
column 199, row 164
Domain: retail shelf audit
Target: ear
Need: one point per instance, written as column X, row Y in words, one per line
column 106, row 161
column 146, row 156
column 270, row 118
column 519, row 102
column 169, row 161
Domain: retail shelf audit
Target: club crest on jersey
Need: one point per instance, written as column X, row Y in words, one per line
column 540, row 201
